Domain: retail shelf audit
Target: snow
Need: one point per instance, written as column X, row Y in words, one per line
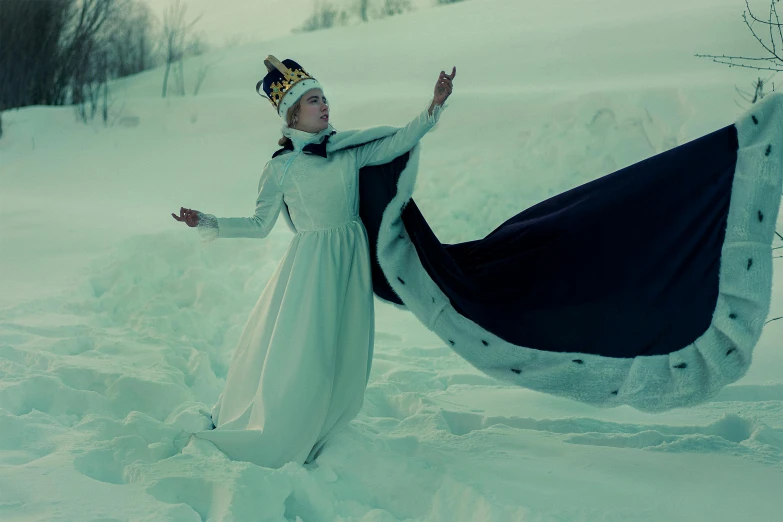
column 117, row 325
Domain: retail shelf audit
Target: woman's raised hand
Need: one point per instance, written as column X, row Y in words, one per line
column 444, row 86
column 190, row 217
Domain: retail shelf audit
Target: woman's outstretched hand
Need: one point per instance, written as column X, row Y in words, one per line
column 444, row 86
column 190, row 217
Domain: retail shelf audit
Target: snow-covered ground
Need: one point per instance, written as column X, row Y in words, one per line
column 117, row 325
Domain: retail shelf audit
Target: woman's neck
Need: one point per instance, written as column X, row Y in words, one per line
column 300, row 138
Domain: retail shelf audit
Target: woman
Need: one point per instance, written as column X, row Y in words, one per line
column 661, row 308
column 303, row 360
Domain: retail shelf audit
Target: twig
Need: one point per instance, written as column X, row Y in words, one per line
column 754, row 16
column 757, row 37
column 118, row 114
column 744, row 95
column 777, row 18
column 775, row 319
column 777, row 234
column 774, row 58
column 771, row 36
column 734, row 57
column 732, row 64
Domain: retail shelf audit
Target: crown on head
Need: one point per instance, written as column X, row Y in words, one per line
column 281, row 76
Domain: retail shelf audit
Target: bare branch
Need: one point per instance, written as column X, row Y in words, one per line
column 777, row 20
column 745, row 95
column 175, row 32
column 770, row 51
column 735, row 57
column 771, row 36
column 732, row 64
column 202, row 73
column 754, row 16
column 191, row 24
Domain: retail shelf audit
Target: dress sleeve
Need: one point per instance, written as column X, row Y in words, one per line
column 386, row 149
column 268, row 205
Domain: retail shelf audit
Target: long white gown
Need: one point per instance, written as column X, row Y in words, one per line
column 303, row 360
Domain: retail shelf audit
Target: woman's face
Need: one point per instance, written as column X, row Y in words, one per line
column 313, row 112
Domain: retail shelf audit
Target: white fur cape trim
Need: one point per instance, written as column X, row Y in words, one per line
column 685, row 377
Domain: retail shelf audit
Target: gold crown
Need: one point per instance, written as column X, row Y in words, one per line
column 291, row 77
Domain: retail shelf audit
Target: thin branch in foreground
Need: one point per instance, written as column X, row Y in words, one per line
column 777, row 18
column 732, row 64
column 771, row 34
column 770, row 51
column 775, row 319
column 759, row 20
column 734, row 57
column 774, row 59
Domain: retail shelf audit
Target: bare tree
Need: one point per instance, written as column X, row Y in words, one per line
column 202, row 73
column 83, row 51
column 88, row 50
column 395, row 7
column 30, row 36
column 773, row 61
column 234, row 40
column 175, row 32
column 64, row 51
column 195, row 45
column 324, row 16
column 95, row 84
column 130, row 39
column 363, row 9
column 758, row 92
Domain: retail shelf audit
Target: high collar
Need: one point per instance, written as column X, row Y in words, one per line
column 313, row 143
column 300, row 138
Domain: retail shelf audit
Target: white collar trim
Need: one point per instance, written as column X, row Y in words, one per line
column 301, row 138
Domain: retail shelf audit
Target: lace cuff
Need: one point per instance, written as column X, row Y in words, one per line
column 207, row 228
column 435, row 116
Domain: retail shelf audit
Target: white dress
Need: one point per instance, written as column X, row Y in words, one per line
column 303, row 360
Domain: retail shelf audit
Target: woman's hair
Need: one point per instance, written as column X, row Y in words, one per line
column 293, row 111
